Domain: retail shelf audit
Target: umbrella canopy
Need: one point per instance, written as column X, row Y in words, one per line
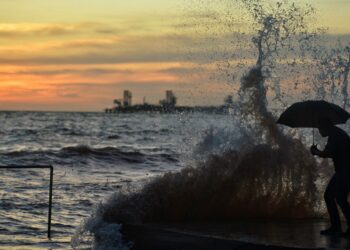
column 308, row 113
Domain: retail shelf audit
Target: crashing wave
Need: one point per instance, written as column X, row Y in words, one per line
column 266, row 174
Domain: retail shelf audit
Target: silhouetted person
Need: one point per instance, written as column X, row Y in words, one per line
column 337, row 148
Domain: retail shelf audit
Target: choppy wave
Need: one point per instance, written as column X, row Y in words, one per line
column 102, row 153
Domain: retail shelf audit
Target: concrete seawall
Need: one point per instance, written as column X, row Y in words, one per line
column 233, row 236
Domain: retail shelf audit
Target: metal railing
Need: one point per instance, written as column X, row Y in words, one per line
column 50, row 193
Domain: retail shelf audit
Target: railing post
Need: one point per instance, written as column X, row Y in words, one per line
column 50, row 204
column 50, row 191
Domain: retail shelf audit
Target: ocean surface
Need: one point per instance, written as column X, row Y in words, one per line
column 93, row 155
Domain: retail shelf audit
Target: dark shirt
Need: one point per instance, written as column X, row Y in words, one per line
column 338, row 148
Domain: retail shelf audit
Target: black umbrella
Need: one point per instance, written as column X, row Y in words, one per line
column 308, row 113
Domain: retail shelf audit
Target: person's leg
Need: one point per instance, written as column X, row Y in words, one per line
column 343, row 187
column 330, row 199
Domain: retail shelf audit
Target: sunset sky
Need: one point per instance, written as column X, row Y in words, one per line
column 81, row 54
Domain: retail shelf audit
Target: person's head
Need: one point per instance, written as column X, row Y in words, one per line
column 325, row 126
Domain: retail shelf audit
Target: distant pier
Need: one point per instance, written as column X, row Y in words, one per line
column 168, row 105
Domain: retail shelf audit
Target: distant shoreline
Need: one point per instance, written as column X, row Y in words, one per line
column 47, row 111
column 147, row 108
column 133, row 109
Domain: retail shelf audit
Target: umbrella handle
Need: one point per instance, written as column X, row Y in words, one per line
column 313, row 136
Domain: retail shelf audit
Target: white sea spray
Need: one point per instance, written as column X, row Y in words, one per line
column 256, row 169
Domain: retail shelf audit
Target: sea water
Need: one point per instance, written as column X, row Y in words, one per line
column 110, row 167
column 93, row 155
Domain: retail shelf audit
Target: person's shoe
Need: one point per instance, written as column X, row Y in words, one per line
column 331, row 231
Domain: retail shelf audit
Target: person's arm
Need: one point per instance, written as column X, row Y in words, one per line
column 329, row 149
column 326, row 153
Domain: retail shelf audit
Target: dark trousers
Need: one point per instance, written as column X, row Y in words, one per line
column 337, row 192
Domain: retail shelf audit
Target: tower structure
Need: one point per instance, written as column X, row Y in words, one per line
column 127, row 100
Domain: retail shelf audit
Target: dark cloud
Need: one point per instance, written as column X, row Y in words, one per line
column 92, row 72
column 107, row 30
column 23, row 91
column 91, row 58
column 52, row 30
column 58, row 29
column 87, row 44
column 69, row 95
column 147, row 49
column 93, row 85
column 182, row 70
column 136, row 53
